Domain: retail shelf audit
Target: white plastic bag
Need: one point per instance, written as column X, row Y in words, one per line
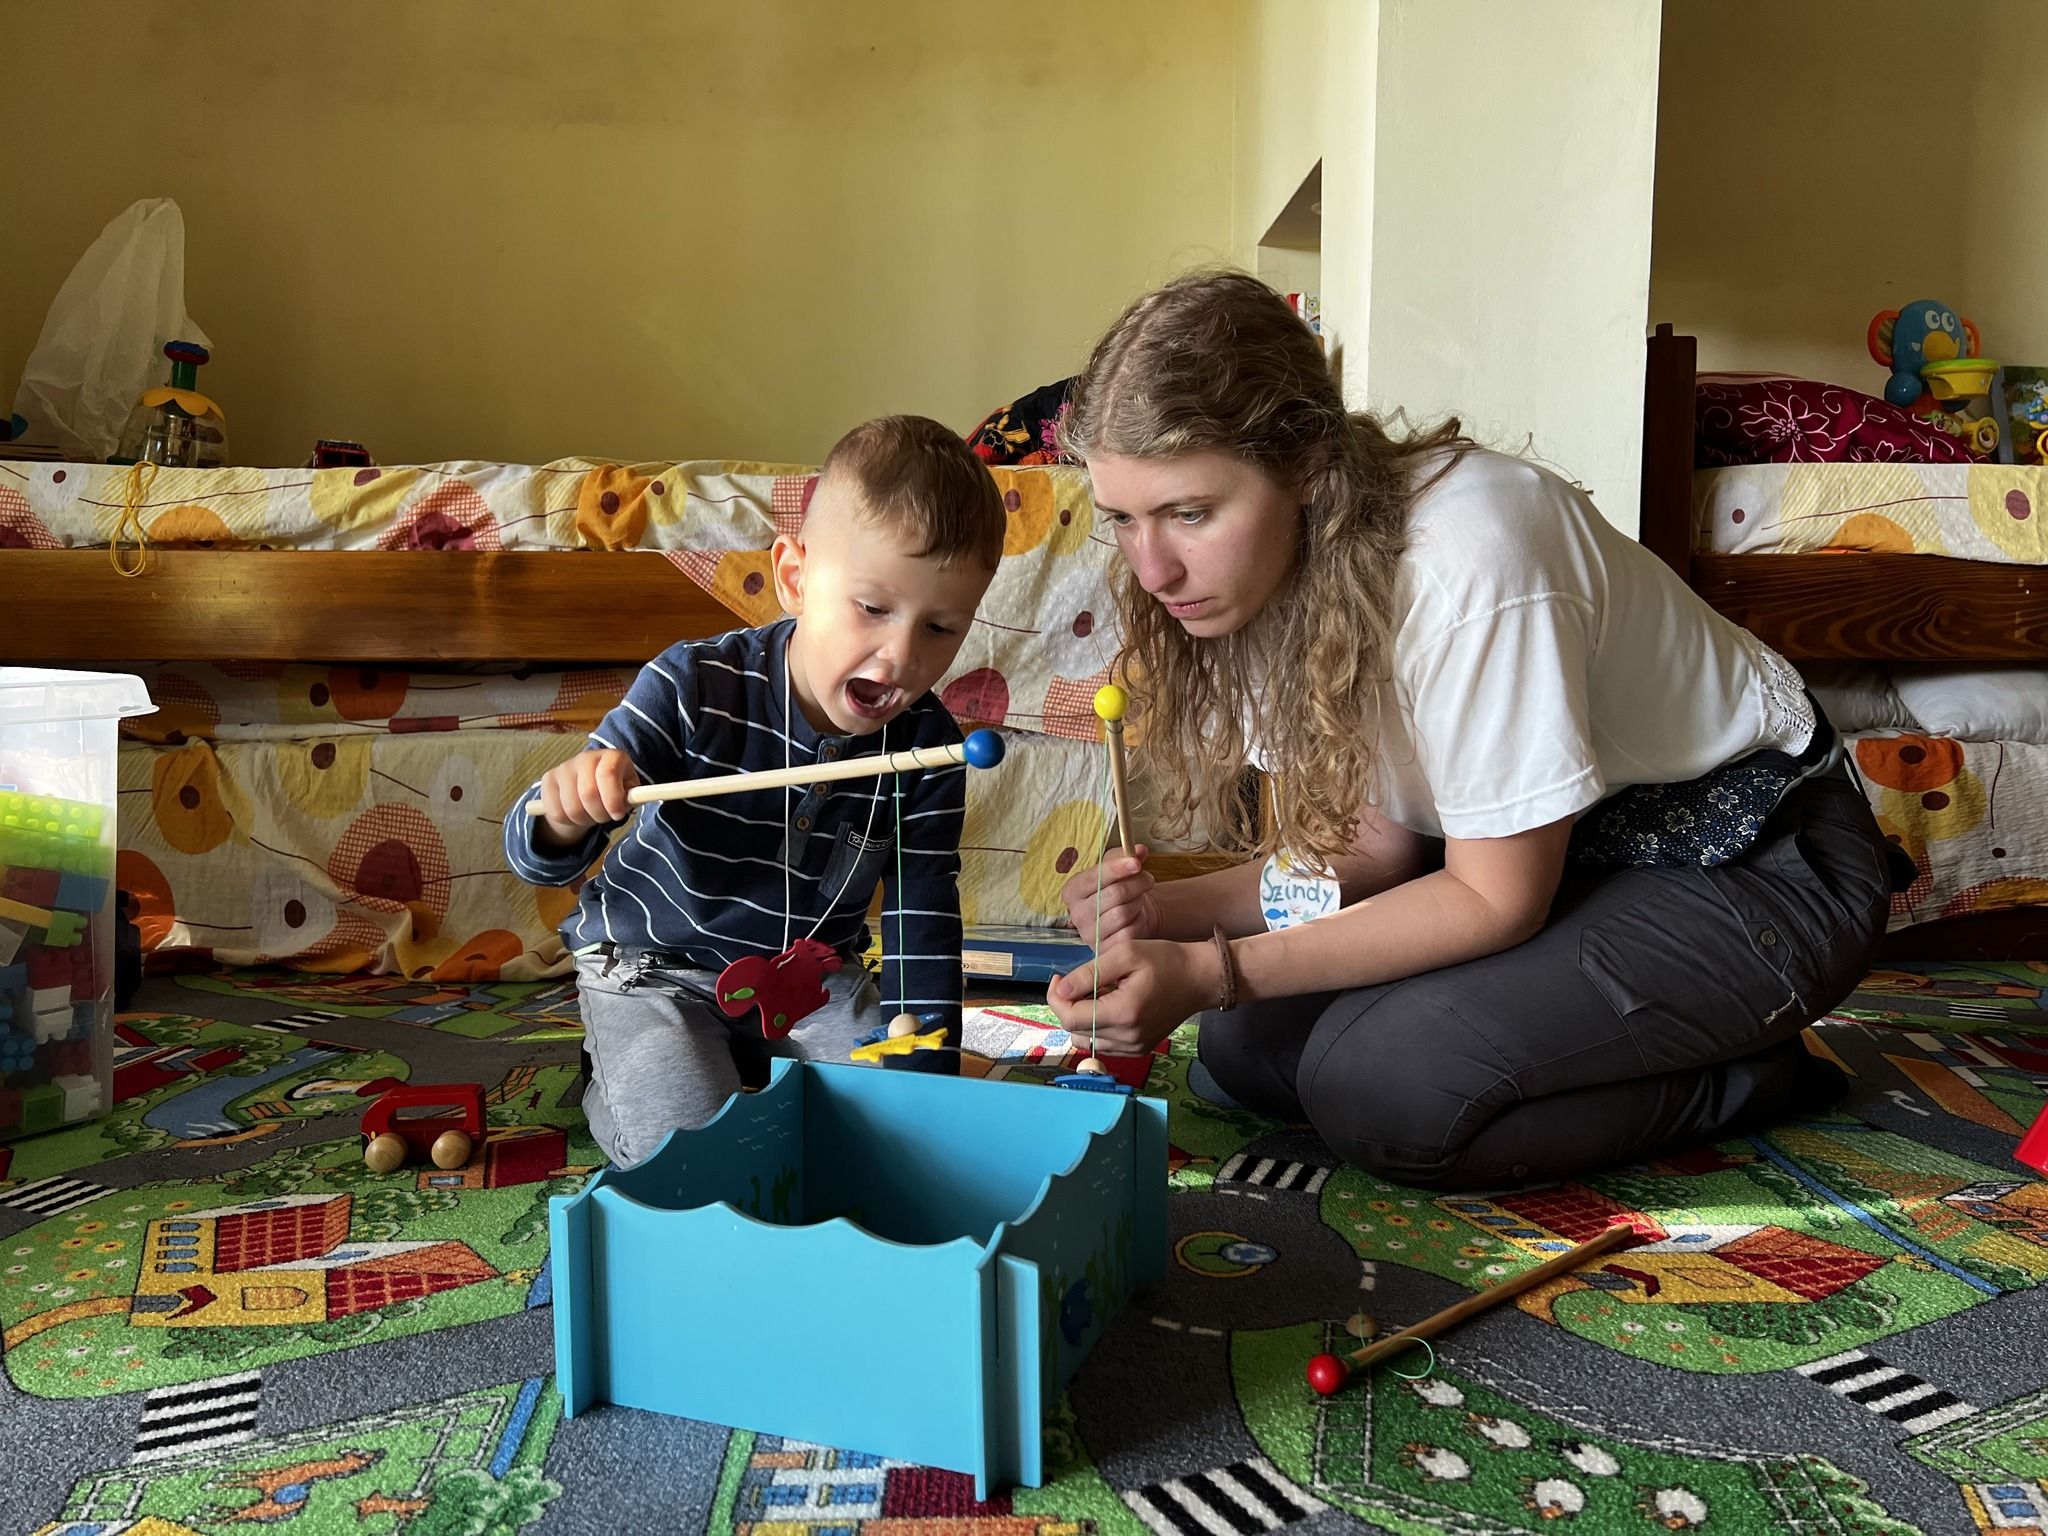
column 102, row 343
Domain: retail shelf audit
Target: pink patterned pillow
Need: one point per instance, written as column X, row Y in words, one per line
column 1801, row 421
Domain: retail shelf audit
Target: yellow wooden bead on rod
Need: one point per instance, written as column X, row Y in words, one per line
column 1111, row 705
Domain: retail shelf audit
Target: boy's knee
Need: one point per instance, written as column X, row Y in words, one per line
column 629, row 1130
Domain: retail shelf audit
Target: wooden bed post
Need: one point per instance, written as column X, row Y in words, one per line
column 1666, row 529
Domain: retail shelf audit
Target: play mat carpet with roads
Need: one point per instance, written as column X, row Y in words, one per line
column 216, row 1319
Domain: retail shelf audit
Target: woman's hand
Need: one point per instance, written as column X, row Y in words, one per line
column 1148, row 987
column 1124, row 906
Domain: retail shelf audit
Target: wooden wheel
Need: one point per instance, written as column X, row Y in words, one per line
column 385, row 1153
column 451, row 1149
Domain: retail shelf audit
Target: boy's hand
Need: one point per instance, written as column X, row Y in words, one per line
column 589, row 790
column 1124, row 907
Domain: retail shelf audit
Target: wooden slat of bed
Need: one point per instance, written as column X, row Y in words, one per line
column 1669, row 369
column 348, row 605
column 1859, row 607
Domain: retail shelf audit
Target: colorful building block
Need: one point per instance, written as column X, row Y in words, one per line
column 79, row 892
column 70, row 970
column 48, row 968
column 35, row 887
column 44, row 832
column 12, row 937
column 22, row 914
column 42, row 1107
column 17, row 1052
column 13, row 978
column 81, row 1095
column 978, row 1235
column 65, row 929
column 59, row 1058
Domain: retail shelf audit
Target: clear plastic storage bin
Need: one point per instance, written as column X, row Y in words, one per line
column 57, row 838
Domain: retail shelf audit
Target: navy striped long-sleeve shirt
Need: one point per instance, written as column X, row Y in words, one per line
column 706, row 878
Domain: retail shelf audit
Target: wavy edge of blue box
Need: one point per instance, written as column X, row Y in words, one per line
column 673, row 1291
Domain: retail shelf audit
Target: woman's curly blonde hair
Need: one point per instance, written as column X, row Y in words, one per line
column 1217, row 360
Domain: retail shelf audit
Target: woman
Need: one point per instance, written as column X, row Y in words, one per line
column 1593, row 854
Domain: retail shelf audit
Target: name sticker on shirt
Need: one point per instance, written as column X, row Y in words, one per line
column 1289, row 897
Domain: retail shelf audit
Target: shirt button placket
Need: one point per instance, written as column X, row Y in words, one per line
column 801, row 821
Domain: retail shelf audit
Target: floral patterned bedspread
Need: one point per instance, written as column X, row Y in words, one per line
column 1972, row 815
column 1967, row 511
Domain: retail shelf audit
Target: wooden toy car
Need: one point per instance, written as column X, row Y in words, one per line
column 394, row 1138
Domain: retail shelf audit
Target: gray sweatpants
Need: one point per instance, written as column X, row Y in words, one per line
column 1657, row 1008
column 662, row 1060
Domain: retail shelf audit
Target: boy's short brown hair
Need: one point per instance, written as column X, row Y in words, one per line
column 918, row 478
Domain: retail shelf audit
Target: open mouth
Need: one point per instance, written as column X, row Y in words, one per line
column 871, row 700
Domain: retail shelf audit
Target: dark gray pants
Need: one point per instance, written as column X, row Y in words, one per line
column 1657, row 1008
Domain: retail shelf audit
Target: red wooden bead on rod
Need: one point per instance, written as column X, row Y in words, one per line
column 1328, row 1373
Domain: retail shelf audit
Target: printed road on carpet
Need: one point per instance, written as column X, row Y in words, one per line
column 216, row 1318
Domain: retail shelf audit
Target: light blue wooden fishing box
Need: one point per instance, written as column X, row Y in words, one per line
column 892, row 1262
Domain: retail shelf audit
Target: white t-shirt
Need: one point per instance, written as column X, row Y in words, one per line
column 1543, row 660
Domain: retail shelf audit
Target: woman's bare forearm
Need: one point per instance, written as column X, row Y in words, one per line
column 1385, row 856
column 1190, row 909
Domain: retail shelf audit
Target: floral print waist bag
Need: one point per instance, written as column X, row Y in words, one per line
column 1707, row 821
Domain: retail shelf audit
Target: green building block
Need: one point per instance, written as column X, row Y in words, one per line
column 65, row 930
column 42, row 1108
column 44, row 832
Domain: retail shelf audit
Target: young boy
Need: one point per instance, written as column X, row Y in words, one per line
column 903, row 535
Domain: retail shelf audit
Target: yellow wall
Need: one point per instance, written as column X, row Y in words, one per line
column 1350, row 128
column 1486, row 184
column 1281, row 48
column 1510, row 228
column 516, row 229
column 1819, row 162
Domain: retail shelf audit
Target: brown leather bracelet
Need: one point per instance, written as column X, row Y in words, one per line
column 1226, row 998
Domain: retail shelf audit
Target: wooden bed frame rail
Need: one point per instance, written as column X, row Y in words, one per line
column 1826, row 607
column 71, row 605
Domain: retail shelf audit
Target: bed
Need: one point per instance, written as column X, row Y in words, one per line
column 357, row 669
column 1905, row 565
